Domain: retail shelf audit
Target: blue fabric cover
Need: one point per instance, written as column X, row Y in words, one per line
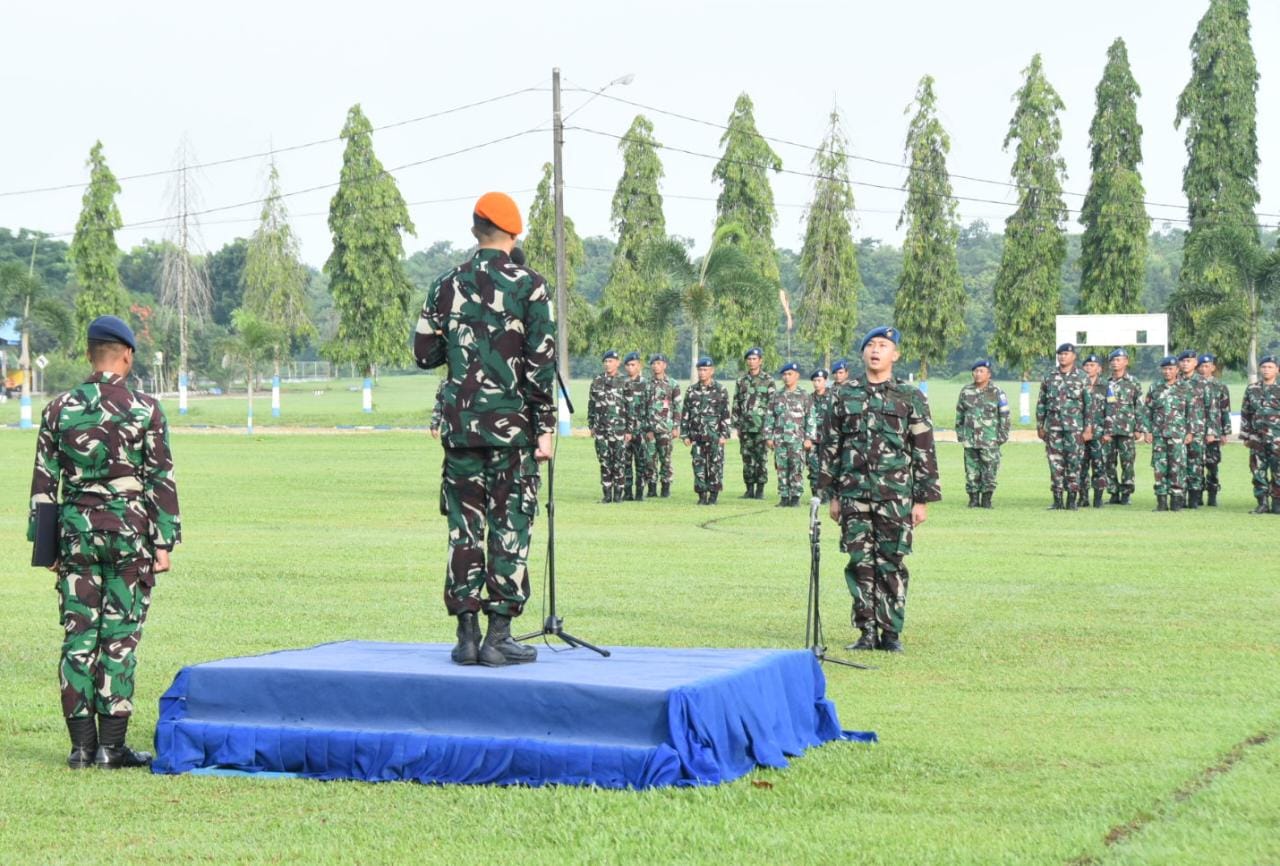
column 386, row 711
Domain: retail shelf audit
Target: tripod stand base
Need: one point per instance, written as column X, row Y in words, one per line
column 554, row 627
column 821, row 653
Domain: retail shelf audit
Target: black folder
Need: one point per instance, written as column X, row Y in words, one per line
column 44, row 552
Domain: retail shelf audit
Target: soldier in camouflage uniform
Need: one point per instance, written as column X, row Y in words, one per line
column 879, row 464
column 640, row 451
column 1204, row 421
column 839, row 374
column 102, row 455
column 1167, row 413
column 1260, row 430
column 1062, row 422
column 785, row 428
column 820, row 405
column 489, row 320
column 705, row 426
column 982, row 426
column 1094, row 463
column 664, row 423
column 750, row 403
column 1122, row 427
column 1220, row 406
column 608, row 419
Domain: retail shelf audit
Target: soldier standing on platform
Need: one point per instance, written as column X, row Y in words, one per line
column 705, row 427
column 1220, row 406
column 1093, row 469
column 1260, row 430
column 750, row 403
column 1166, row 412
column 639, row 463
column 878, row 463
column 664, row 423
column 607, row 420
column 982, row 426
column 1121, row 427
column 1203, row 423
column 785, row 428
column 1062, row 422
column 820, row 405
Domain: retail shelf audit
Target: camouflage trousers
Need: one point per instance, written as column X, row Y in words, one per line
column 104, row 589
column 981, row 466
column 491, row 491
column 1264, row 464
column 1195, row 464
column 788, row 460
column 877, row 537
column 1122, row 452
column 1212, row 460
column 638, row 461
column 661, row 466
column 755, row 458
column 1169, row 463
column 708, row 465
column 611, row 451
column 1093, row 466
column 811, row 464
column 1065, row 451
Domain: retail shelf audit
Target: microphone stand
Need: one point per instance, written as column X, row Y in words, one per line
column 813, row 617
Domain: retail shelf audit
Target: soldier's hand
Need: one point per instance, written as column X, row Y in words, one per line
column 54, row 567
column 687, row 442
column 435, row 433
column 768, row 443
column 1088, row 435
column 1188, row 439
column 919, row 513
column 808, row 445
column 626, row 438
column 162, row 561
column 723, row 440
column 1040, row 432
column 543, row 450
column 1210, row 438
column 1106, row 437
column 649, row 436
column 833, row 508
column 675, row 431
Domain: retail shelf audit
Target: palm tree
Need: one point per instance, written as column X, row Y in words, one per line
column 23, row 296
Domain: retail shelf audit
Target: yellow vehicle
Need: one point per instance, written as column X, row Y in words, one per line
column 13, row 383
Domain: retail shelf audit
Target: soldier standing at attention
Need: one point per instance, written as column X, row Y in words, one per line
column 1203, row 423
column 1220, row 406
column 820, row 405
column 1260, row 430
column 1062, row 423
column 879, row 464
column 664, row 423
column 785, row 426
column 705, row 425
column 107, row 447
column 607, row 420
column 1095, row 452
column 1166, row 422
column 750, row 404
column 1122, row 423
column 982, row 426
column 489, row 319
column 639, row 446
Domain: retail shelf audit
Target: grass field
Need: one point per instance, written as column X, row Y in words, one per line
column 1078, row 688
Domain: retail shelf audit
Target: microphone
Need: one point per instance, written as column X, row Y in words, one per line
column 814, row 504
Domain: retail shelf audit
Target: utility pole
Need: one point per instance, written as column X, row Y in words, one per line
column 562, row 295
column 184, row 286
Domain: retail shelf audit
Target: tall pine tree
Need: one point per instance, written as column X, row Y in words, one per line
column 1219, row 108
column 93, row 252
column 366, row 268
column 929, row 306
column 1028, row 288
column 747, row 316
column 540, row 249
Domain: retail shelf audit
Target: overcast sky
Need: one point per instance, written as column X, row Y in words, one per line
column 237, row 78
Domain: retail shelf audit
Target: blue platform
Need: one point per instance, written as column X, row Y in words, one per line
column 389, row 711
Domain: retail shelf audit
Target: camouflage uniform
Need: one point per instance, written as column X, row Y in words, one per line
column 750, row 405
column 1168, row 418
column 637, row 466
column 1094, row 461
column 1260, row 430
column 705, row 422
column 437, row 413
column 607, row 416
column 1063, row 411
column 1121, row 421
column 664, row 419
column 819, row 407
column 108, row 447
column 1204, row 421
column 878, row 457
column 785, row 425
column 982, row 426
column 490, row 321
column 1220, row 406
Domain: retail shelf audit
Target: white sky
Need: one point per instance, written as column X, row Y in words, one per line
column 236, row 78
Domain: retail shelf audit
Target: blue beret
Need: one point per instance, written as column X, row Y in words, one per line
column 842, row 364
column 1188, row 353
column 631, row 356
column 818, row 373
column 789, row 367
column 1091, row 359
column 609, row 354
column 109, row 329
column 981, row 362
column 1168, row 361
column 1206, row 358
column 1267, row 359
column 705, row 361
column 889, row 333
column 1066, row 347
column 1117, row 353
column 658, row 357
column 754, row 352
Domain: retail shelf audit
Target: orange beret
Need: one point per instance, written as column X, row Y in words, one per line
column 501, row 210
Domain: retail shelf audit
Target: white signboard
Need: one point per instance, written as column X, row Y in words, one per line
column 42, row 361
column 1114, row 329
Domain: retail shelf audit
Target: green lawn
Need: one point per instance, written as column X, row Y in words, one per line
column 1069, row 677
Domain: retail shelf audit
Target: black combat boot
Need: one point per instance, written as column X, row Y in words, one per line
column 1124, row 498
column 702, row 497
column 751, row 492
column 1275, row 505
column 1262, row 505
column 985, row 502
column 1071, row 502
column 608, row 496
column 1114, row 499
column 84, row 742
column 500, row 649
column 867, row 641
column 112, row 753
column 626, row 493
column 973, row 499
column 1057, row 501
column 653, row 490
column 890, row 642
column 639, row 491
column 467, row 651
column 1193, row 499
column 712, row 497
column 1213, row 499
column 666, row 490
column 1162, row 502
column 1176, row 502
column 1097, row 499
column 783, row 501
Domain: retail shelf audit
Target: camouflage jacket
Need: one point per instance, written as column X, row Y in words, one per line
column 664, row 405
column 1260, row 413
column 1097, row 404
column 636, row 393
column 108, row 446
column 1200, row 421
column 706, row 412
column 982, row 416
column 437, row 413
column 877, row 444
column 819, row 406
column 1065, row 401
column 607, row 406
column 787, row 419
column 751, row 401
column 490, row 321
column 1124, row 409
column 1220, row 404
column 1167, row 410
